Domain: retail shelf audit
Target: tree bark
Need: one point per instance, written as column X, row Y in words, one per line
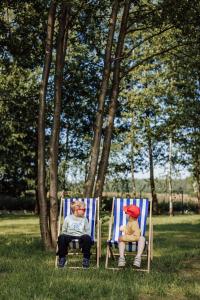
column 66, row 156
column 43, row 213
column 54, row 142
column 170, row 178
column 132, row 160
column 133, row 171
column 89, row 185
column 152, row 182
column 196, row 174
column 113, row 104
column 198, row 196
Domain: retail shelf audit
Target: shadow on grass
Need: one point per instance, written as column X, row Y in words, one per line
column 20, row 246
column 177, row 238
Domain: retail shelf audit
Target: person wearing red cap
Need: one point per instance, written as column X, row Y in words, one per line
column 130, row 232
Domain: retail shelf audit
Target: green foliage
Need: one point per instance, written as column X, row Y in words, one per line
column 24, row 202
column 23, row 32
column 178, row 208
column 123, row 185
column 159, row 94
column 18, row 108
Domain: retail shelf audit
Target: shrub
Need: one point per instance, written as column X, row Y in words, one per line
column 178, row 207
column 24, row 202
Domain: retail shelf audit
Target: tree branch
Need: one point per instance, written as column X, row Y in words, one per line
column 154, row 55
column 139, row 29
column 146, row 39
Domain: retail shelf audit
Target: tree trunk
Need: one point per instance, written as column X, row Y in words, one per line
column 113, row 104
column 36, row 209
column 196, row 174
column 66, row 156
column 44, row 228
column 198, row 197
column 152, row 182
column 133, row 172
column 132, row 161
column 89, row 185
column 170, row 178
column 54, row 142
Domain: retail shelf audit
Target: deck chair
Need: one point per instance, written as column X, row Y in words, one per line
column 92, row 214
column 118, row 218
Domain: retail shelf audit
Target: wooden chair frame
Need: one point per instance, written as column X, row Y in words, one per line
column 110, row 253
column 97, row 241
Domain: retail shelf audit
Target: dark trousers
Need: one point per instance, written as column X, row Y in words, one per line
column 85, row 243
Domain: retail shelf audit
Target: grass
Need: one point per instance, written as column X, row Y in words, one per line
column 27, row 272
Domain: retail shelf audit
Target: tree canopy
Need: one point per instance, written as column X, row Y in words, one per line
column 122, row 78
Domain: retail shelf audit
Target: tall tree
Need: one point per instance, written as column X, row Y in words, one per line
column 54, row 142
column 151, row 168
column 89, row 185
column 44, row 218
column 132, row 155
column 21, row 39
column 113, row 102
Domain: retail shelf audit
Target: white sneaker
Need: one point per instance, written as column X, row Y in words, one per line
column 137, row 262
column 121, row 262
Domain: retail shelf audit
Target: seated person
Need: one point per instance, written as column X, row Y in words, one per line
column 131, row 233
column 75, row 226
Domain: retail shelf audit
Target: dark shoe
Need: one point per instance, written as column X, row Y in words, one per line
column 61, row 262
column 86, row 263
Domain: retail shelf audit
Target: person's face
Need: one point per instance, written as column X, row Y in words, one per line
column 80, row 211
column 127, row 216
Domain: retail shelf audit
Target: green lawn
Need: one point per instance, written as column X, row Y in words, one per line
column 27, row 272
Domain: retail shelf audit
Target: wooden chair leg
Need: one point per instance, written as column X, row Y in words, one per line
column 149, row 256
column 100, row 222
column 97, row 255
column 152, row 243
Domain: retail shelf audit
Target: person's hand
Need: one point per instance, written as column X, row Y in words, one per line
column 122, row 228
column 120, row 239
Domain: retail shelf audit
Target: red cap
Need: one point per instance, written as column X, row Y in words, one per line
column 132, row 210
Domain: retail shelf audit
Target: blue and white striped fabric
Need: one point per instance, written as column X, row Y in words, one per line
column 90, row 212
column 120, row 219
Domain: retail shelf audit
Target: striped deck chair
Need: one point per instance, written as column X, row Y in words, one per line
column 118, row 218
column 92, row 214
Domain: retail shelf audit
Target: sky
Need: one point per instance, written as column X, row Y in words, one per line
column 160, row 172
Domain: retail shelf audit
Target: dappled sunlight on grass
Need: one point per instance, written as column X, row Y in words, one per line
column 176, row 219
column 23, row 224
column 20, row 225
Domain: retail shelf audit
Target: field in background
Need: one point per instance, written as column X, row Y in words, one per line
column 161, row 196
column 27, row 272
column 182, row 202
